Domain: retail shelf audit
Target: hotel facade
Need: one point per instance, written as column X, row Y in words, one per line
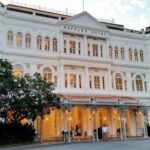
column 101, row 70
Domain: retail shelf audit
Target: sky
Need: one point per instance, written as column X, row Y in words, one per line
column 133, row 14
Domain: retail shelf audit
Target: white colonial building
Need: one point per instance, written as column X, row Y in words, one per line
column 101, row 70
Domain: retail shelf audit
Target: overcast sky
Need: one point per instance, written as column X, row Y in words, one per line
column 134, row 14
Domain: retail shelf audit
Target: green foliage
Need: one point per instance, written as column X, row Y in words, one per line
column 24, row 97
column 16, row 133
column 41, row 96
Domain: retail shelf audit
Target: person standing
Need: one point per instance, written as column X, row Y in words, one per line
column 104, row 132
column 71, row 134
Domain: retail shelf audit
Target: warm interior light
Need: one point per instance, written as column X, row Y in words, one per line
column 105, row 118
column 46, row 118
column 140, row 113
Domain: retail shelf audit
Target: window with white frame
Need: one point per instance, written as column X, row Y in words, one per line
column 97, row 82
column 95, row 50
column 47, row 74
column 66, row 81
column 139, row 83
column 72, row 47
column 65, row 46
column 110, row 52
column 19, row 39
column 103, row 82
column 10, row 38
column 130, row 54
column 47, row 43
column 88, row 49
column 118, row 82
column 73, row 83
column 133, row 87
column 101, row 50
column 55, row 44
column 135, row 55
column 80, row 82
column 122, row 53
column 28, row 40
column 18, row 70
column 116, row 53
column 39, row 42
column 141, row 55
column 55, row 80
column 90, row 82
column 79, row 48
column 125, row 85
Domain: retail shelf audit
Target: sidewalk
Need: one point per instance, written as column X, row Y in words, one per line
column 48, row 144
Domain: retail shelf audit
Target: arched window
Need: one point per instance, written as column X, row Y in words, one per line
column 55, row 44
column 110, row 52
column 28, row 40
column 47, row 43
column 118, row 82
column 39, row 42
column 122, row 53
column 135, row 55
column 139, row 83
column 130, row 54
column 47, row 74
column 18, row 70
column 141, row 55
column 10, row 38
column 116, row 53
column 19, row 39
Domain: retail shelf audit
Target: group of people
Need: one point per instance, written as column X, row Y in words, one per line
column 76, row 132
column 103, row 133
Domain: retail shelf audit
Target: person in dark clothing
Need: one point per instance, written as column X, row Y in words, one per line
column 100, row 132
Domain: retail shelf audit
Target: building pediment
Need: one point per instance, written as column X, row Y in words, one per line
column 86, row 20
column 84, row 24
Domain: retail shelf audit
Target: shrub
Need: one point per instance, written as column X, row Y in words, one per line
column 16, row 133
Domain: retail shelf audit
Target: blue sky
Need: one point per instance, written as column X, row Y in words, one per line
column 134, row 14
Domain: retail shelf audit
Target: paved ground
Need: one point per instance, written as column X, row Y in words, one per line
column 106, row 145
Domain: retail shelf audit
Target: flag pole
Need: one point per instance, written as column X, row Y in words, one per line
column 83, row 4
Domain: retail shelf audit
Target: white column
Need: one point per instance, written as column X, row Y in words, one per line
column 77, row 80
column 33, row 69
column 109, row 84
column 64, row 112
column 86, row 82
column 97, row 122
column 4, row 41
column 93, row 83
column 69, row 126
column 68, row 79
column 92, row 123
column 23, row 40
column 124, row 124
column 144, row 121
column 33, row 42
column 121, row 128
column 60, row 42
column 85, row 51
column 129, row 81
column 61, row 76
column 126, row 53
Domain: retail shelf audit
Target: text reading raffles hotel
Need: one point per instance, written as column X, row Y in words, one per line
column 101, row 70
